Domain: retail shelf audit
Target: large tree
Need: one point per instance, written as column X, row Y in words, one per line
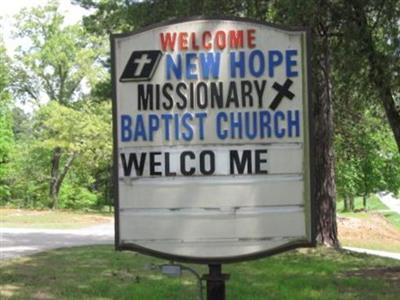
column 316, row 15
column 83, row 135
column 57, row 65
column 370, row 32
column 356, row 49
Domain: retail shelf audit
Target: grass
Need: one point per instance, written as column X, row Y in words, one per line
column 97, row 272
column 50, row 219
column 374, row 205
column 393, row 218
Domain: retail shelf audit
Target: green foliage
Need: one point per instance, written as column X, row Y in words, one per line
column 28, row 176
column 123, row 16
column 77, row 197
column 67, row 132
column 85, row 132
column 346, row 171
column 59, row 57
column 6, row 133
column 391, row 165
column 74, row 130
column 367, row 158
column 4, row 69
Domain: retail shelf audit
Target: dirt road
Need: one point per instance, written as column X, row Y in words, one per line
column 390, row 201
column 16, row 242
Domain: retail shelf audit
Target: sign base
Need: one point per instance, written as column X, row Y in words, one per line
column 215, row 282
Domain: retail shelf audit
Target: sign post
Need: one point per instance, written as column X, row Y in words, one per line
column 215, row 282
column 212, row 143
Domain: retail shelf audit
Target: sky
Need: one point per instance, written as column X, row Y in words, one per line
column 9, row 8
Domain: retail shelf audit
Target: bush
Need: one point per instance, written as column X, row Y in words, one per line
column 75, row 197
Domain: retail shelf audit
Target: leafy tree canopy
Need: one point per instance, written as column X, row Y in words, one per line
column 60, row 60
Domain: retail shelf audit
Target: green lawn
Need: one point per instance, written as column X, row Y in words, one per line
column 98, row 272
column 374, row 205
column 393, row 218
column 50, row 219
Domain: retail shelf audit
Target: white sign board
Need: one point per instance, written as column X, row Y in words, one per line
column 211, row 140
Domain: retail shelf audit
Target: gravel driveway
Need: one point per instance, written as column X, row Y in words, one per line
column 16, row 242
column 390, row 201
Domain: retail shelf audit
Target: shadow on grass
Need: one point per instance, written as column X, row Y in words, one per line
column 98, row 272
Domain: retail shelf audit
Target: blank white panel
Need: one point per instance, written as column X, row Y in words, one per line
column 193, row 225
column 212, row 192
column 212, row 248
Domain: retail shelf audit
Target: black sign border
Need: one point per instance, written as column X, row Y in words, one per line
column 119, row 246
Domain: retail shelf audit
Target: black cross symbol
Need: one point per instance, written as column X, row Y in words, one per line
column 283, row 91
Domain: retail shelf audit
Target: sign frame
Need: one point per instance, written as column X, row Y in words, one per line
column 119, row 246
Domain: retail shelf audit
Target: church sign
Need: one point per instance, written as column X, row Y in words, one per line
column 212, row 140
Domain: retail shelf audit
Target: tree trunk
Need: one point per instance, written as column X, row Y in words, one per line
column 365, row 196
column 110, row 188
column 55, row 168
column 392, row 113
column 351, row 203
column 346, row 201
column 318, row 17
column 384, row 91
column 324, row 154
column 57, row 177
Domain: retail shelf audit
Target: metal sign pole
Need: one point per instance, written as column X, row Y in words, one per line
column 215, row 282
